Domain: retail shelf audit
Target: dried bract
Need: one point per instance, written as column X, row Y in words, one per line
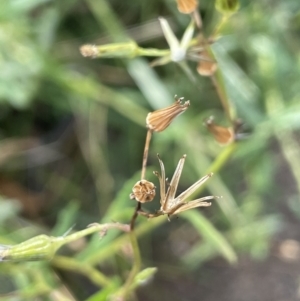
column 143, row 191
column 222, row 135
column 172, row 205
column 159, row 120
column 206, row 66
column 186, row 6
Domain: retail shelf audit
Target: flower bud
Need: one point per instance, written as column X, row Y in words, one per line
column 143, row 191
column 159, row 120
column 227, row 6
column 41, row 247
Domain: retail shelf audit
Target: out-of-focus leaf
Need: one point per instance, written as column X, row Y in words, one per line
column 26, row 5
column 200, row 253
column 105, row 293
column 206, row 229
column 66, row 218
column 149, row 83
column 9, row 208
column 240, row 88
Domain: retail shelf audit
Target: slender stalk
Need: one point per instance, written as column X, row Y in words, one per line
column 144, row 165
column 93, row 274
column 94, row 228
column 217, row 81
column 152, row 52
column 145, row 155
column 126, row 288
column 222, row 96
column 222, row 158
column 134, row 216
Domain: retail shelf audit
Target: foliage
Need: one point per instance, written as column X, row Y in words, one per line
column 73, row 132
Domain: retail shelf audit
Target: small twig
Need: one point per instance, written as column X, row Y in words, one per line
column 134, row 216
column 146, row 151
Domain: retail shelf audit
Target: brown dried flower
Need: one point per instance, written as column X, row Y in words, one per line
column 186, row 6
column 143, row 191
column 221, row 134
column 159, row 120
column 172, row 205
column 206, row 66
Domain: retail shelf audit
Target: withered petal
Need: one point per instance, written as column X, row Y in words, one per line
column 159, row 120
column 223, row 135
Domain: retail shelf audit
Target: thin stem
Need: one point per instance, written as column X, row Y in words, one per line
column 220, row 25
column 125, row 290
column 222, row 158
column 146, row 151
column 92, row 229
column 144, row 165
column 216, row 82
column 93, row 274
column 222, row 97
column 117, row 244
column 134, row 216
column 152, row 52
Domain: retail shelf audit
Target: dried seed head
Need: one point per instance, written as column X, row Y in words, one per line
column 221, row 134
column 143, row 191
column 159, row 120
column 206, row 66
column 89, row 50
column 186, row 6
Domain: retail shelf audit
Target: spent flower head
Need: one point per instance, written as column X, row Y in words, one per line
column 172, row 205
column 159, row 120
column 223, row 135
column 143, row 191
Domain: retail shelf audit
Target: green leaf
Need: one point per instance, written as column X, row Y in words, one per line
column 206, row 229
column 105, row 293
column 66, row 218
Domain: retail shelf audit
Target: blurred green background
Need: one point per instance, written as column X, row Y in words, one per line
column 72, row 133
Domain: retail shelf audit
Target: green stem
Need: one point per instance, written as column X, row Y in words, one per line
column 222, row 158
column 43, row 247
column 94, row 275
column 152, row 52
column 220, row 25
column 126, row 288
column 92, row 229
column 218, row 84
column 117, row 244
